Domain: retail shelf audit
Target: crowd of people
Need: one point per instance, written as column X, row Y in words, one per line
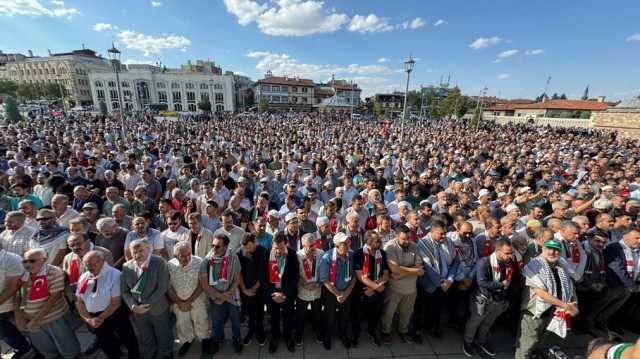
column 147, row 231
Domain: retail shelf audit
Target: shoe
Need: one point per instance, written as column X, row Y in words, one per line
column 247, row 339
column 406, row 338
column 291, row 346
column 354, row 342
column 416, row 337
column 237, row 346
column 436, row 333
column 215, row 347
column 467, row 348
column 184, row 349
column 273, row 346
column 261, row 339
column 299, row 340
column 92, row 348
column 385, row 338
column 318, row 339
column 346, row 342
column 23, row 354
column 485, row 348
column 374, row 338
column 327, row 344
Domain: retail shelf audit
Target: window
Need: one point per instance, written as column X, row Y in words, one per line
column 112, row 84
column 113, row 94
column 98, row 83
column 217, row 87
column 284, row 88
column 294, row 99
column 266, row 88
column 191, row 96
column 177, row 96
column 219, row 108
column 204, row 97
column 127, row 95
column 304, row 99
column 189, row 86
column 162, row 97
column 204, row 86
column 192, row 107
column 125, row 84
column 219, row 97
column 175, row 85
column 114, row 105
column 294, row 89
column 275, row 88
column 177, row 107
column 53, row 71
column 284, row 99
column 305, row 89
column 275, row 99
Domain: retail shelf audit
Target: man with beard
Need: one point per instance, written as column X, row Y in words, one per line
column 309, row 288
column 51, row 237
column 251, row 294
column 467, row 254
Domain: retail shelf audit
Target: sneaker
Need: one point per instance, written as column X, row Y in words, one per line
column 23, row 354
column 406, row 338
column 261, row 339
column 299, row 340
column 385, row 338
column 327, row 344
column 247, row 339
column 467, row 348
column 184, row 349
column 92, row 348
column 237, row 346
column 355, row 342
column 374, row 338
column 291, row 346
column 273, row 346
column 318, row 339
column 486, row 348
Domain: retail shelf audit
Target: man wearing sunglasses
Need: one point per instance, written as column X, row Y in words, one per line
column 51, row 237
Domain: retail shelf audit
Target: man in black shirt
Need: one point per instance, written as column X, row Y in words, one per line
column 372, row 272
column 251, row 294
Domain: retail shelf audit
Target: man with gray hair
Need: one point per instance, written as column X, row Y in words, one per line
column 16, row 236
column 145, row 281
column 572, row 249
column 64, row 212
column 189, row 302
column 112, row 238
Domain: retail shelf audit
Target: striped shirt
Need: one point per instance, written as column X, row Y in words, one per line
column 17, row 241
column 55, row 277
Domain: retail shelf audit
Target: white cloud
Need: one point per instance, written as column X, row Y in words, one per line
column 287, row 17
column 369, row 23
column 281, row 64
column 534, row 52
column 634, row 37
column 440, row 22
column 152, row 44
column 382, row 60
column 507, row 54
column 483, row 42
column 503, row 76
column 413, row 24
column 156, row 3
column 34, row 8
column 101, row 26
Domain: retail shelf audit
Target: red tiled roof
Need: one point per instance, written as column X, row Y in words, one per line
column 565, row 105
column 276, row 80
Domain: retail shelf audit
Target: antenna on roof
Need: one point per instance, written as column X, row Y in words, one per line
column 546, row 87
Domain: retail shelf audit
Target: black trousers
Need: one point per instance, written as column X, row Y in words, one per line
column 458, row 304
column 253, row 308
column 369, row 309
column 116, row 330
column 302, row 314
column 11, row 335
column 281, row 312
column 427, row 310
column 343, row 315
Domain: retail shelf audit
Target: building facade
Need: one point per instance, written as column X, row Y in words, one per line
column 6, row 59
column 286, row 93
column 70, row 70
column 143, row 85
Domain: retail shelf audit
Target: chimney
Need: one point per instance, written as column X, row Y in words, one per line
column 30, row 53
column 601, row 98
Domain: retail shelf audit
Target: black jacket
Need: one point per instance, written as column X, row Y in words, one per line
column 492, row 289
column 289, row 283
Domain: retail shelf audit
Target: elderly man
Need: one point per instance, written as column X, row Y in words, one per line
column 141, row 230
column 230, row 230
column 64, row 212
column 17, row 236
column 189, row 302
column 145, row 281
column 292, row 231
column 220, row 278
column 372, row 273
column 99, row 304
column 119, row 213
column 198, row 237
column 251, row 294
column 309, row 288
column 572, row 249
column 279, row 278
column 72, row 263
column 11, row 271
column 51, row 237
column 497, row 275
column 82, row 195
column 549, row 299
column 40, row 308
column 468, row 257
column 354, row 232
column 113, row 198
column 30, row 211
column 112, row 237
column 324, row 237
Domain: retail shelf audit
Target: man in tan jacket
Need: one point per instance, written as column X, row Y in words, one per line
column 199, row 237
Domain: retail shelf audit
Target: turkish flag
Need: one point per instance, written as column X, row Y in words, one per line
column 39, row 288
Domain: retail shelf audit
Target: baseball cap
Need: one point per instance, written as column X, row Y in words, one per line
column 483, row 192
column 534, row 223
column 289, row 217
column 90, row 205
column 321, row 221
column 553, row 244
column 273, row 213
column 339, row 238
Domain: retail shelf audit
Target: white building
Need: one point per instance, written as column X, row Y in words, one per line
column 180, row 90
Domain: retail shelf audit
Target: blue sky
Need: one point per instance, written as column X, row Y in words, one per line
column 509, row 46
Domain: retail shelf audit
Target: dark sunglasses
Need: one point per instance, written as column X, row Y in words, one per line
column 44, row 218
column 29, row 261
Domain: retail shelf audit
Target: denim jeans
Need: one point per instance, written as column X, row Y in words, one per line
column 11, row 335
column 219, row 315
column 56, row 338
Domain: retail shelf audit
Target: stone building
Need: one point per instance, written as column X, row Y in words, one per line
column 624, row 118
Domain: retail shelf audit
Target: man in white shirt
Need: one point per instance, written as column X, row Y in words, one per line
column 174, row 231
column 230, row 230
column 11, row 270
column 64, row 212
column 16, row 237
column 98, row 303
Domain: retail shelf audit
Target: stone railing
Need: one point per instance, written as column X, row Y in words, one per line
column 541, row 121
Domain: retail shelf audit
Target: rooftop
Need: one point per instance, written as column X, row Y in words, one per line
column 277, row 80
column 565, row 105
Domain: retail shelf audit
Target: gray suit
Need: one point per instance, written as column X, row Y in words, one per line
column 155, row 332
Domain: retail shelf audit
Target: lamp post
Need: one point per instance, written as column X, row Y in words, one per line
column 408, row 67
column 64, row 105
column 114, row 56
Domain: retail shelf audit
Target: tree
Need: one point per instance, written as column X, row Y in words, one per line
column 585, row 114
column 8, row 87
column 263, row 106
column 563, row 97
column 52, row 90
column 585, row 95
column 541, row 97
column 378, row 110
column 11, row 110
column 103, row 108
column 27, row 91
column 555, row 96
column 204, row 105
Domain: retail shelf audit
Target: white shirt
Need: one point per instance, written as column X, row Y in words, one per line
column 235, row 237
column 10, row 266
column 17, row 241
column 184, row 280
column 170, row 238
column 68, row 215
column 108, row 282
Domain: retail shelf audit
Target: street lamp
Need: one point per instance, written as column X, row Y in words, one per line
column 114, row 56
column 408, row 67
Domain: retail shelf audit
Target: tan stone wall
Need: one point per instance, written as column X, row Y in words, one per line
column 626, row 123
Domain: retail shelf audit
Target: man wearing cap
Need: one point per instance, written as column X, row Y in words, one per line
column 572, row 249
column 291, row 232
column 323, row 237
column 527, row 234
column 548, row 301
column 309, row 288
column 337, row 275
column 406, row 266
column 424, row 215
